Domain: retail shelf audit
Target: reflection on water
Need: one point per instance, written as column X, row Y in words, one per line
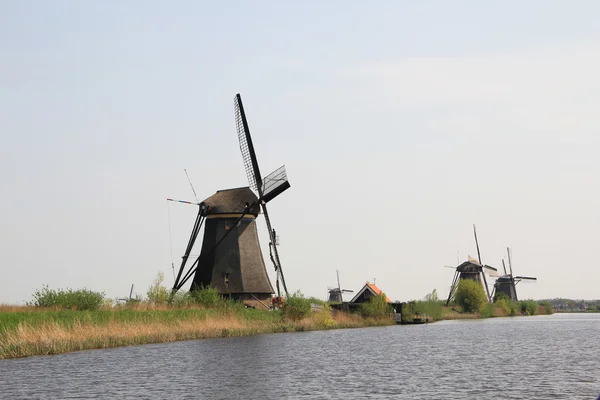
column 504, row 358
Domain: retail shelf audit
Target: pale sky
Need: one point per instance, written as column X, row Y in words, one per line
column 400, row 123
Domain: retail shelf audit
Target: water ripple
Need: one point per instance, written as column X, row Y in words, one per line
column 504, row 358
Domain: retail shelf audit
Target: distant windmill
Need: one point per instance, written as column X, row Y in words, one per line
column 474, row 270
column 126, row 299
column 231, row 260
column 507, row 283
column 335, row 294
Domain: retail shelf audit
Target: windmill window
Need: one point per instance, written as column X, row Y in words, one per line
column 226, row 279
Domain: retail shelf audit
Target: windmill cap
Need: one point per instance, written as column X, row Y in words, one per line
column 232, row 201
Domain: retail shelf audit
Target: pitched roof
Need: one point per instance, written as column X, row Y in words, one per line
column 377, row 291
column 373, row 289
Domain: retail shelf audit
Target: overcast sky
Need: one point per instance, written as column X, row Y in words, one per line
column 400, row 123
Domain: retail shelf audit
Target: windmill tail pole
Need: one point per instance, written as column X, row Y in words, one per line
column 271, row 245
column 275, row 252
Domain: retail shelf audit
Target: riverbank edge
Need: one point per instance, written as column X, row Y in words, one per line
column 53, row 338
column 449, row 314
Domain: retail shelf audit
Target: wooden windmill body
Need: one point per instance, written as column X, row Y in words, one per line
column 507, row 284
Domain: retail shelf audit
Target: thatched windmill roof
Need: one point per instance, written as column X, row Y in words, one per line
column 232, row 201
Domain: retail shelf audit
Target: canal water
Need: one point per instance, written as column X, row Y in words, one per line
column 541, row 357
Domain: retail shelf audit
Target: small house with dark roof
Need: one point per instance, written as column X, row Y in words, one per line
column 368, row 291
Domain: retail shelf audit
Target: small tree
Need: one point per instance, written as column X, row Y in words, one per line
column 376, row 307
column 470, row 295
column 157, row 293
column 296, row 307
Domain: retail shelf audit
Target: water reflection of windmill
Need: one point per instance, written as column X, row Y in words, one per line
column 507, row 283
column 336, row 294
column 231, row 260
column 472, row 269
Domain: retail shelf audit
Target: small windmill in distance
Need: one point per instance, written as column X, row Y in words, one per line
column 474, row 270
column 507, row 283
column 126, row 299
column 336, row 294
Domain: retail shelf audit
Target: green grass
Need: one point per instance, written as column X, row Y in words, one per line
column 68, row 318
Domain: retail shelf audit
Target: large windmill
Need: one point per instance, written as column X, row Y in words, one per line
column 231, row 259
column 507, row 283
column 474, row 270
column 335, row 294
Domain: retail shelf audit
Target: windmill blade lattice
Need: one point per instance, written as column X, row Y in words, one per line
column 246, row 146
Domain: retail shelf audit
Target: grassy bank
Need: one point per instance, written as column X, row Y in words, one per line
column 489, row 311
column 451, row 313
column 27, row 331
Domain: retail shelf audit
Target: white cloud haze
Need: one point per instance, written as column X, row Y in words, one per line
column 393, row 149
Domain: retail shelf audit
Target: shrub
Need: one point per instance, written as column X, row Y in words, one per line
column 296, row 307
column 207, row 296
column 377, row 307
column 181, row 299
column 488, row 310
column 528, row 307
column 500, row 296
column 547, row 306
column 323, row 319
column 68, row 299
column 470, row 295
column 157, row 293
column 409, row 310
column 507, row 306
column 431, row 306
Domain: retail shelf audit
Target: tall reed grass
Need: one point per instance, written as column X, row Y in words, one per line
column 26, row 333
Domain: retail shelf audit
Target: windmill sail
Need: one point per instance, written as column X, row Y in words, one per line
column 246, row 146
column 491, row 271
column 274, row 184
column 473, row 260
